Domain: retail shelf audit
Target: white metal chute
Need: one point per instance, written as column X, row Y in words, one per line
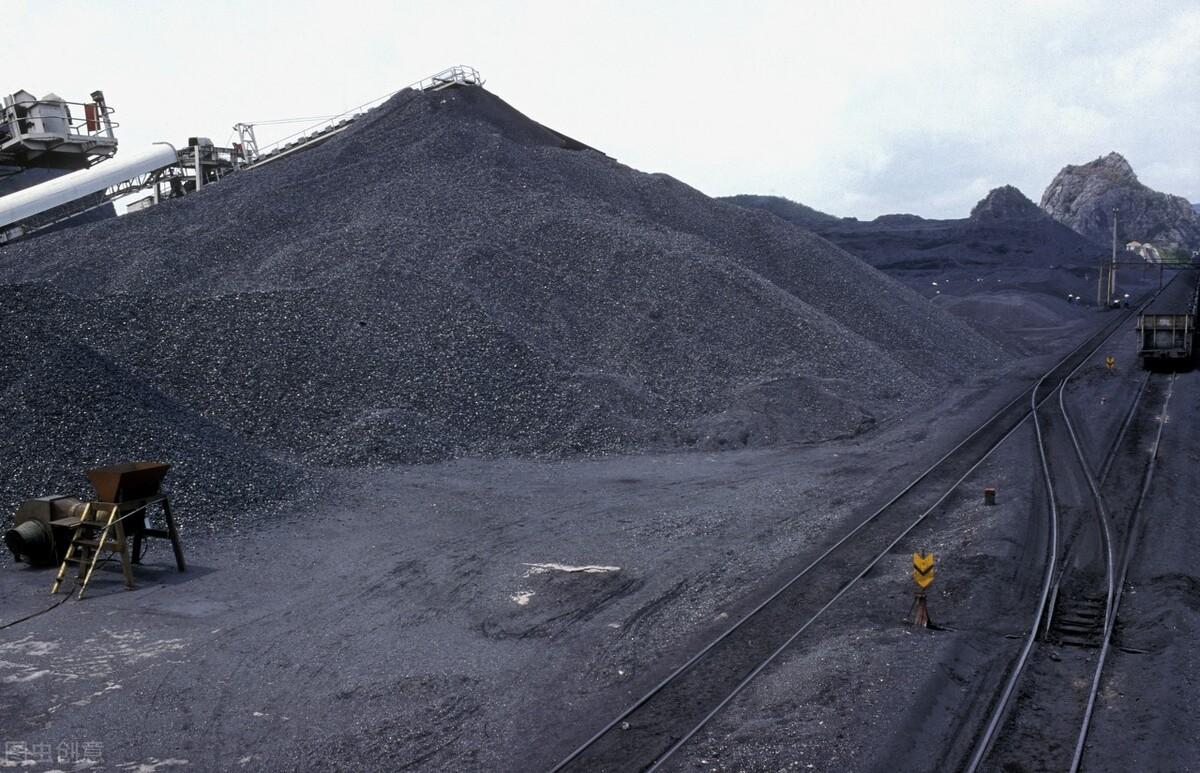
column 70, row 187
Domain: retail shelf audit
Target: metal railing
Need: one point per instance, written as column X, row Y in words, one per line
column 459, row 75
column 96, row 121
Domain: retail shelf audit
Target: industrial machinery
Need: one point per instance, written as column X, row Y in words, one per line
column 160, row 170
column 61, row 530
column 33, row 538
column 204, row 163
column 70, row 195
column 124, row 493
column 46, row 133
column 1166, row 327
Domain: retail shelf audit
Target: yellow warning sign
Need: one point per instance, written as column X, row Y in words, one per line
column 1110, row 361
column 923, row 569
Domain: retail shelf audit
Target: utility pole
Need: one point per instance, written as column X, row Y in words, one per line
column 1112, row 274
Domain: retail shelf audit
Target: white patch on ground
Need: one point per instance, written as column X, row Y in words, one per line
column 95, row 660
column 28, row 676
column 97, row 694
column 29, row 646
column 522, row 597
column 151, row 765
column 590, row 569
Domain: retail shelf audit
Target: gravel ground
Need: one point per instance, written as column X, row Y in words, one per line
column 445, row 279
column 459, row 643
column 415, row 616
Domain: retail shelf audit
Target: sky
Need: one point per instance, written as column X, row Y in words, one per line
column 856, row 108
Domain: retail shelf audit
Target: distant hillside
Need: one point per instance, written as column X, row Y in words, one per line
column 1005, row 228
column 1006, row 204
column 1083, row 198
column 792, row 211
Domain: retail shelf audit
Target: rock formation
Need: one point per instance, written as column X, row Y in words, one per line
column 1006, row 203
column 1083, row 198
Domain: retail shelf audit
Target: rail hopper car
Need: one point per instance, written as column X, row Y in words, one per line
column 1166, row 327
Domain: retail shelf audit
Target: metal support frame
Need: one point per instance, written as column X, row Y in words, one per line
column 247, row 143
column 193, row 164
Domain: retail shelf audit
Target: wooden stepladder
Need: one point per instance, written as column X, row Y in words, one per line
column 99, row 529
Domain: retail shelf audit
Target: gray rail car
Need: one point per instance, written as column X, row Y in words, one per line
column 1166, row 328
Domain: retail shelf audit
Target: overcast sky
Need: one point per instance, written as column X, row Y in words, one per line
column 856, row 108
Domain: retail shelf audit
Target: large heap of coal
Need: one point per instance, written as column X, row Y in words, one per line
column 446, row 278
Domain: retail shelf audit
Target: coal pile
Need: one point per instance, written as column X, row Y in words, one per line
column 1005, row 230
column 66, row 408
column 450, row 278
column 19, row 181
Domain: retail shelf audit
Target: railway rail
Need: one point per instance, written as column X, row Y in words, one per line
column 650, row 730
column 1047, row 678
column 1127, row 552
column 1000, row 724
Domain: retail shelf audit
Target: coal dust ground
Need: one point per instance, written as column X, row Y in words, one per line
column 489, row 614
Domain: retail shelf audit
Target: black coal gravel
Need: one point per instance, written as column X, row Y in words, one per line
column 445, row 278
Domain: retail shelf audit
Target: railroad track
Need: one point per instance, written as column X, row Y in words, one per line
column 1127, row 552
column 1068, row 642
column 650, row 730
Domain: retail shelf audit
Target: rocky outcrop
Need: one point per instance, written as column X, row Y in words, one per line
column 1006, row 203
column 1083, row 198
